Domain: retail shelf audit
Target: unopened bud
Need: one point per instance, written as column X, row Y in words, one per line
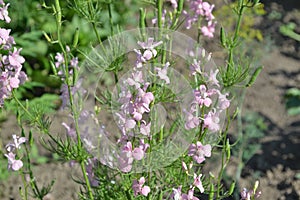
column 184, row 166
column 255, row 186
column 75, row 38
column 223, row 37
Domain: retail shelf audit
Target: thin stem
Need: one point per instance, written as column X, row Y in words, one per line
column 25, row 186
column 73, row 107
column 110, row 18
column 223, row 161
column 159, row 13
column 83, row 169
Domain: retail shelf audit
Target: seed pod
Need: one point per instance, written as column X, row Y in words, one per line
column 231, row 189
column 228, row 153
column 254, row 76
column 30, row 138
column 75, row 38
column 223, row 37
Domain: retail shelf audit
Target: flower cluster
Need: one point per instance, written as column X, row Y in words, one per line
column 208, row 101
column 11, row 76
column 251, row 194
column 60, row 63
column 178, row 195
column 200, row 9
column 14, row 163
column 66, row 70
column 135, row 99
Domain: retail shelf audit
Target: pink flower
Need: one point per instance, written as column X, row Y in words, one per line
column 17, row 143
column 195, row 67
column 13, row 164
column 178, row 195
column 212, row 120
column 136, row 79
column 74, row 62
column 249, row 194
column 202, row 96
column 198, row 183
column 173, row 3
column 192, row 121
column 213, row 77
column 15, row 59
column 162, row 73
column 149, row 46
column 145, row 129
column 209, row 29
column 224, row 102
column 139, row 187
column 199, row 151
column 4, row 35
column 197, row 9
column 59, row 59
column 128, row 155
column 70, row 130
column 4, row 13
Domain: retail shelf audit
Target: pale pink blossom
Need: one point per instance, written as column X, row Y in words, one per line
column 199, row 151
column 198, row 182
column 16, row 144
column 139, row 187
column 15, row 59
column 4, row 13
column 162, row 73
column 13, row 164
column 209, row 29
column 191, row 121
column 212, row 120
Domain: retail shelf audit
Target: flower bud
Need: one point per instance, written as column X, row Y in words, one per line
column 223, row 37
column 75, row 38
column 184, row 167
column 255, row 186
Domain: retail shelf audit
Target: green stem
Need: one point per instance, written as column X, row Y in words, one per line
column 83, row 169
column 235, row 36
column 33, row 183
column 224, row 153
column 25, row 186
column 159, row 4
column 110, row 18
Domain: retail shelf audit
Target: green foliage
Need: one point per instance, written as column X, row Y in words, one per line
column 292, row 97
column 289, row 31
column 247, row 30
